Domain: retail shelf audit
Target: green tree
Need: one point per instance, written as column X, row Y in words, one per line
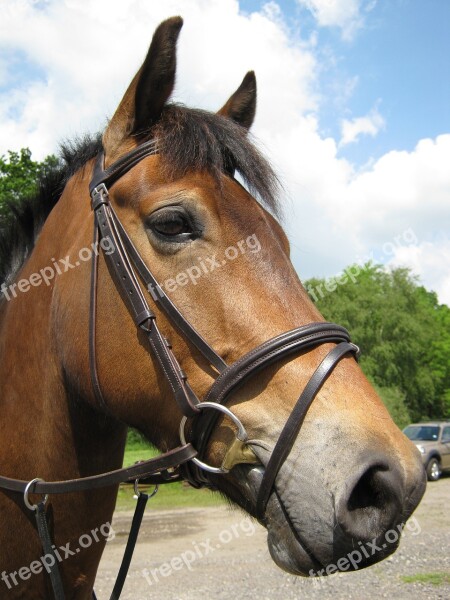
column 440, row 355
column 403, row 332
column 19, row 176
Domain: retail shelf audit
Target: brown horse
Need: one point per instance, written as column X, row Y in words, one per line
column 223, row 258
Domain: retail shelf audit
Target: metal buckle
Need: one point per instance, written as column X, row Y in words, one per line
column 28, row 504
column 137, row 493
column 241, row 434
column 99, row 196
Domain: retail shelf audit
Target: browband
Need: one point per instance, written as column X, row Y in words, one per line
column 121, row 166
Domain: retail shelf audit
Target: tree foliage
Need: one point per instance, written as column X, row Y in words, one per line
column 403, row 332
column 19, row 176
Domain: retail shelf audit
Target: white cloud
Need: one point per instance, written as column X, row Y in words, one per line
column 401, row 190
column 88, row 52
column 429, row 260
column 371, row 124
column 340, row 216
column 344, row 14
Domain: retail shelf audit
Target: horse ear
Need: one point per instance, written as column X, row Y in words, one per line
column 241, row 106
column 150, row 89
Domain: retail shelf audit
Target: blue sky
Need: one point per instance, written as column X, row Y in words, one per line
column 353, row 106
column 401, row 59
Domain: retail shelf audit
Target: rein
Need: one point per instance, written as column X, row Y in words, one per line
column 185, row 462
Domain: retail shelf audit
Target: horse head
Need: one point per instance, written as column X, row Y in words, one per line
column 198, row 204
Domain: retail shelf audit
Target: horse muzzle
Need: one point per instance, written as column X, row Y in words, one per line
column 315, row 530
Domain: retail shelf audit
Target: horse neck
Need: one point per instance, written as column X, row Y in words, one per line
column 36, row 401
column 47, row 429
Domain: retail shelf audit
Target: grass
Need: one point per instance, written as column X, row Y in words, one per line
column 433, row 578
column 174, row 495
column 135, row 451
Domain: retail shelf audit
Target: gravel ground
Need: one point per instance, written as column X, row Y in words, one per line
column 219, row 553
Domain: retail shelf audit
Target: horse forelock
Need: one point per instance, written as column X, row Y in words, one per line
column 197, row 140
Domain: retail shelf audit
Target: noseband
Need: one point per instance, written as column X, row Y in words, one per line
column 125, row 265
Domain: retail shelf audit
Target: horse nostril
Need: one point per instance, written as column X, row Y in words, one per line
column 368, row 494
column 373, row 503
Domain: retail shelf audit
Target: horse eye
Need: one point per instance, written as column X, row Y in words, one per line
column 171, row 224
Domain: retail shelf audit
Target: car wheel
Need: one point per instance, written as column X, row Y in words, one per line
column 434, row 470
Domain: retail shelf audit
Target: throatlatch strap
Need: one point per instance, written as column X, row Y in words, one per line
column 46, row 541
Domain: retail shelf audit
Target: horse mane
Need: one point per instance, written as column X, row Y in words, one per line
column 19, row 232
column 188, row 140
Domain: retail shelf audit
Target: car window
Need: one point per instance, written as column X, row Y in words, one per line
column 424, row 433
column 446, row 435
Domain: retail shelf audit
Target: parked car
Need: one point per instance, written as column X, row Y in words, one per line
column 433, row 441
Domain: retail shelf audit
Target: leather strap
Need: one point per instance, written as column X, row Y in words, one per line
column 121, row 166
column 101, row 402
column 133, row 296
column 290, row 430
column 292, row 342
column 285, row 344
column 153, row 470
column 176, row 377
column 131, row 543
column 101, row 180
column 166, row 303
column 122, row 271
column 53, row 570
column 46, row 541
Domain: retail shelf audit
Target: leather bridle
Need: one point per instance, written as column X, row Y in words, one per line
column 127, row 267
column 123, row 261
